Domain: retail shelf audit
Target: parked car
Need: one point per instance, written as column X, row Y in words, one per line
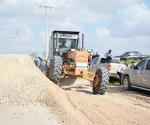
column 138, row 76
column 132, row 55
column 112, row 66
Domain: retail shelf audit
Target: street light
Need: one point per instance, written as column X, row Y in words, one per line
column 46, row 7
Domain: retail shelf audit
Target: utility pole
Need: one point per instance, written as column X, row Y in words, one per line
column 46, row 7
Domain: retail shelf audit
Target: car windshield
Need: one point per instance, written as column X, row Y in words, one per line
column 141, row 65
column 94, row 61
column 68, row 43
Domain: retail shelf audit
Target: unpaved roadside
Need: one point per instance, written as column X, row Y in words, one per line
column 26, row 115
column 116, row 107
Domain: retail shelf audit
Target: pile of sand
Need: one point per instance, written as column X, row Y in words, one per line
column 22, row 83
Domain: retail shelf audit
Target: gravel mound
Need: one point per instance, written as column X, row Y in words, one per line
column 20, row 81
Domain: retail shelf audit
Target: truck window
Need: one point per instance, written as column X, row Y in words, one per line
column 115, row 61
column 148, row 65
column 103, row 60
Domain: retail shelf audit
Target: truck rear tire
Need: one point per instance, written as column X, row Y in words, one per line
column 56, row 69
column 100, row 82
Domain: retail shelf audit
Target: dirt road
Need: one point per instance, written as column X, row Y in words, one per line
column 24, row 90
column 116, row 107
column 26, row 115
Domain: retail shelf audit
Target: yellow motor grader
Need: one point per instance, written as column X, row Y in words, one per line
column 68, row 58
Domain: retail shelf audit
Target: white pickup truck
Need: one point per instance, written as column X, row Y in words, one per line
column 102, row 62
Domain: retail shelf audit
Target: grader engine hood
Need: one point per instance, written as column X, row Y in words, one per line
column 77, row 63
column 81, row 59
column 81, row 63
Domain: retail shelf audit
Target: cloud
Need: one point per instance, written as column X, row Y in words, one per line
column 18, row 37
column 129, row 31
column 117, row 23
column 77, row 14
column 136, row 15
column 134, row 20
column 103, row 32
column 106, row 40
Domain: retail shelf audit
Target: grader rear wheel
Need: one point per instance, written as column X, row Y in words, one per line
column 100, row 82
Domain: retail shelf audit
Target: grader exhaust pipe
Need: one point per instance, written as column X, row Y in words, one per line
column 82, row 40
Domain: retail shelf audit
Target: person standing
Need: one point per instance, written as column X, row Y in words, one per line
column 108, row 55
column 121, row 69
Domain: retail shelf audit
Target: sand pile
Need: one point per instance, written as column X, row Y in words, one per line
column 22, row 83
column 19, row 80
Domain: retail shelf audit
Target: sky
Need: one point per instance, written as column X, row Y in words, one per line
column 120, row 25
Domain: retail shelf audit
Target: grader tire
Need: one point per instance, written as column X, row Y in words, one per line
column 56, row 69
column 100, row 82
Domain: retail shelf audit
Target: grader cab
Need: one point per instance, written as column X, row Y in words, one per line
column 68, row 58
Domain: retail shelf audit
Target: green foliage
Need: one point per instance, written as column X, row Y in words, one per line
column 129, row 61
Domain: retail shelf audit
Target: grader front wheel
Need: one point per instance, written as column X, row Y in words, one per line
column 56, row 69
column 96, row 83
column 100, row 82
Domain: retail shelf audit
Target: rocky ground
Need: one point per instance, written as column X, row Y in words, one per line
column 27, row 97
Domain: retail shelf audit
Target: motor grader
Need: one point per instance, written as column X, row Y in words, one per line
column 68, row 58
